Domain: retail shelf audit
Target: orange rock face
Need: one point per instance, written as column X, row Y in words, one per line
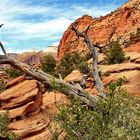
column 29, row 108
column 122, row 24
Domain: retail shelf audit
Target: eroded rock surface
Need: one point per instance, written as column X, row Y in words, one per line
column 122, row 24
column 30, row 109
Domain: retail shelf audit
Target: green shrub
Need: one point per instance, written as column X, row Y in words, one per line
column 107, row 73
column 116, row 118
column 88, row 56
column 13, row 73
column 83, row 67
column 71, row 62
column 1, row 87
column 114, row 53
column 48, row 64
column 4, row 131
column 138, row 32
column 128, row 43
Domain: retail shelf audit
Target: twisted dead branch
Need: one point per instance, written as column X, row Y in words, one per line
column 98, row 82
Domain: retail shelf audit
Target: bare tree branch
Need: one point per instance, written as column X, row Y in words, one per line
column 1, row 25
column 3, row 49
column 98, row 82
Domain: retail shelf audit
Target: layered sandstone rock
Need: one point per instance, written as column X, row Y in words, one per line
column 122, row 24
column 30, row 109
column 128, row 71
column 74, row 76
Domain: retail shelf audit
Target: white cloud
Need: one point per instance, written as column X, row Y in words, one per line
column 54, row 19
column 55, row 43
column 4, row 42
column 10, row 50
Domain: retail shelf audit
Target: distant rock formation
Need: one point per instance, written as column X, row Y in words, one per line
column 122, row 24
column 34, row 58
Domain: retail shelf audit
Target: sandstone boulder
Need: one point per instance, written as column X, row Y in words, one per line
column 74, row 76
column 14, row 81
column 19, row 90
column 131, row 80
column 116, row 68
column 32, row 125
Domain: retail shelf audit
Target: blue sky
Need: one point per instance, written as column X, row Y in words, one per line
column 36, row 24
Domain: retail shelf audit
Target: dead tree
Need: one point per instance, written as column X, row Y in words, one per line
column 65, row 88
column 98, row 82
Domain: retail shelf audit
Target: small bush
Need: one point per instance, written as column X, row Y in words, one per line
column 138, row 32
column 107, row 73
column 88, row 56
column 83, row 67
column 117, row 117
column 71, row 62
column 4, row 131
column 48, row 64
column 13, row 73
column 114, row 53
column 1, row 87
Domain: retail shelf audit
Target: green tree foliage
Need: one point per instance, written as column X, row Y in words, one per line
column 4, row 131
column 13, row 73
column 114, row 53
column 1, row 86
column 48, row 64
column 116, row 118
column 138, row 32
column 70, row 62
column 88, row 56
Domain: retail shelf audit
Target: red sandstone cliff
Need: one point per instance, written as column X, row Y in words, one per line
column 122, row 24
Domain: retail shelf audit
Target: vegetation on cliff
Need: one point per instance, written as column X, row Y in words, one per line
column 114, row 53
column 48, row 64
column 117, row 117
column 5, row 133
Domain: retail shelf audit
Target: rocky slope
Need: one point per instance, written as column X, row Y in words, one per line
column 122, row 24
column 129, row 71
column 30, row 108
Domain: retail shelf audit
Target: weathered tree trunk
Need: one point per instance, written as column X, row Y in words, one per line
column 98, row 82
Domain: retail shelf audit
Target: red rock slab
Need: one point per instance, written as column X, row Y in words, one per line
column 117, row 68
column 52, row 100
column 15, row 81
column 46, row 135
column 20, row 100
column 19, row 90
column 74, row 76
column 33, row 106
column 20, row 111
column 31, row 125
column 137, row 60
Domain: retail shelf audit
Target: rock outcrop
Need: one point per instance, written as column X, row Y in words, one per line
column 129, row 71
column 30, row 108
column 122, row 24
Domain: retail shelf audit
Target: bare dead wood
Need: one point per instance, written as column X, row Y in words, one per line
column 3, row 49
column 62, row 86
column 98, row 82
